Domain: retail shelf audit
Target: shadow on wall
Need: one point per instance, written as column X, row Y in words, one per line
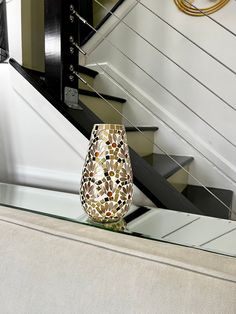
column 6, row 153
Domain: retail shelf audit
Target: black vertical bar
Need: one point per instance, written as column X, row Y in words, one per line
column 61, row 27
column 3, row 32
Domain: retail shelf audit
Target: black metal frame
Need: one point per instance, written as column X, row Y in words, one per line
column 3, row 32
column 61, row 56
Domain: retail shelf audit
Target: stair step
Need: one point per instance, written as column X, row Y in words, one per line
column 95, row 95
column 141, row 128
column 166, row 167
column 87, row 71
column 101, row 108
column 142, row 145
column 88, row 75
column 203, row 200
column 88, row 79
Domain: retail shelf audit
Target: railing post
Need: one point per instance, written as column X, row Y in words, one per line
column 61, row 56
column 3, row 32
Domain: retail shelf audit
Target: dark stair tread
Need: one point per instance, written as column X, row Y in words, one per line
column 165, row 166
column 87, row 71
column 206, row 202
column 94, row 94
column 141, row 128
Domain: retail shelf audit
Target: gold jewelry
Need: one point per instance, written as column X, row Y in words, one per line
column 185, row 6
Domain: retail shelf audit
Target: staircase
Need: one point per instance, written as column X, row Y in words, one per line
column 160, row 163
column 160, row 178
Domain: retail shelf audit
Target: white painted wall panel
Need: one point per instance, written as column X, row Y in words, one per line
column 183, row 52
column 204, row 117
column 38, row 146
column 14, row 29
column 209, row 35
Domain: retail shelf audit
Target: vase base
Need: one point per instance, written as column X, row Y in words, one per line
column 104, row 221
column 118, row 225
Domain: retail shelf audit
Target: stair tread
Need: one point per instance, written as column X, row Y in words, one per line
column 107, row 97
column 141, row 128
column 165, row 166
column 87, row 71
column 203, row 200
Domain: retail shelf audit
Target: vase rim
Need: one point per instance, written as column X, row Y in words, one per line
column 110, row 126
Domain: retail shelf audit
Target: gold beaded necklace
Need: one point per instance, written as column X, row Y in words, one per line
column 187, row 8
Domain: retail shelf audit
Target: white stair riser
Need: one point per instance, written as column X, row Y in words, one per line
column 140, row 144
column 179, row 179
column 88, row 79
column 102, row 109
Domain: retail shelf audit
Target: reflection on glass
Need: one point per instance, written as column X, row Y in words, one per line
column 207, row 233
column 118, row 226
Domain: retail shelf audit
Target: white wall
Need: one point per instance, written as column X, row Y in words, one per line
column 14, row 29
column 38, row 146
column 197, row 113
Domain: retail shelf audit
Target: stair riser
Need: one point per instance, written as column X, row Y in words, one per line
column 140, row 144
column 102, row 109
column 180, row 179
column 88, row 79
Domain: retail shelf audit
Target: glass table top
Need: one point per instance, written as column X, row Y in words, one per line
column 206, row 233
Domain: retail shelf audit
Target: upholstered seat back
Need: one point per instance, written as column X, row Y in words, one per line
column 49, row 266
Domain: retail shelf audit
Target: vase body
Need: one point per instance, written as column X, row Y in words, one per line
column 106, row 188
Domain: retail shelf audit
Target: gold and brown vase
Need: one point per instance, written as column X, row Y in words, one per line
column 106, row 188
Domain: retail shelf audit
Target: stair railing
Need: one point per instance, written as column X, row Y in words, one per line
column 72, row 71
column 88, row 10
column 121, row 20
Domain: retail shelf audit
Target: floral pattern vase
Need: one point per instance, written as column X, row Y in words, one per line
column 106, row 188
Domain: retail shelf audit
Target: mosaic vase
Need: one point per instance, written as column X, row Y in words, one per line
column 107, row 183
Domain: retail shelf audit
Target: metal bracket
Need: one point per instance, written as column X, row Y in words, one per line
column 71, row 98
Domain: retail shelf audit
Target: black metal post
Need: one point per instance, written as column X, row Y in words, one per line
column 61, row 55
column 3, row 32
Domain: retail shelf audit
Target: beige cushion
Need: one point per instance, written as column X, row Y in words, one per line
column 52, row 266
